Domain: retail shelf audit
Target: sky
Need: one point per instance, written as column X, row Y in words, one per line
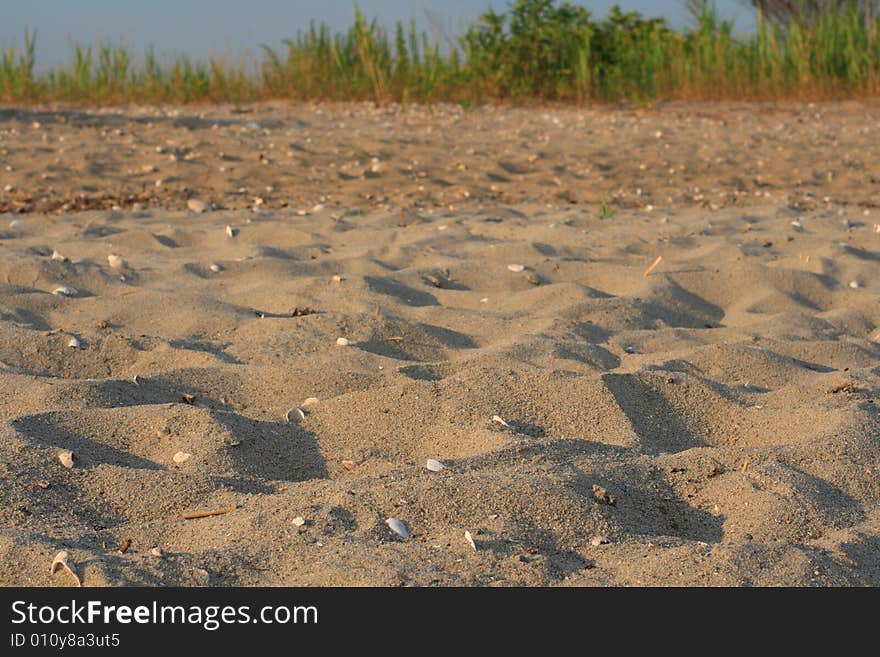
column 231, row 28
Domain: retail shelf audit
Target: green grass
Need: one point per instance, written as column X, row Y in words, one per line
column 538, row 50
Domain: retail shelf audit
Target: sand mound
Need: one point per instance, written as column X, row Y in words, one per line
column 711, row 423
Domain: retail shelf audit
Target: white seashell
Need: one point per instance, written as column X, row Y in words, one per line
column 196, row 205
column 516, row 268
column 309, row 401
column 57, row 256
column 434, row 466
column 62, row 562
column 65, row 456
column 296, row 415
column 16, row 223
column 599, row 540
column 855, row 285
column 470, row 540
column 158, row 552
column 181, row 457
column 337, row 278
column 398, row 527
column 74, row 343
column 498, row 420
column 64, row 291
column 299, row 521
column 215, row 268
column 115, row 261
column 342, row 342
column 232, row 232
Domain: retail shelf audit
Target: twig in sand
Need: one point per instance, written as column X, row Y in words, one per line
column 652, row 267
column 194, row 515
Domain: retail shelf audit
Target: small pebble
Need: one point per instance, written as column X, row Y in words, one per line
column 342, row 342
column 855, row 285
column 215, row 268
column 158, row 552
column 299, row 521
column 57, row 256
column 115, row 261
column 309, row 401
column 599, row 540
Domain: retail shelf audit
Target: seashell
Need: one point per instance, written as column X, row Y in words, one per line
column 470, row 540
column 62, row 562
column 115, row 261
column 231, row 232
column 57, row 256
column 434, row 466
column 599, row 540
column 196, row 205
column 342, row 342
column 66, row 457
column 855, row 285
column 215, row 268
column 398, row 527
column 350, row 465
column 64, row 291
column 181, row 457
column 309, row 401
column 296, row 415
column 16, row 223
column 497, row 419
column 188, row 399
column 74, row 342
column 516, row 268
column 299, row 521
column 337, row 278
column 158, row 552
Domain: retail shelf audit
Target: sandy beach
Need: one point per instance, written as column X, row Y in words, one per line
column 644, row 344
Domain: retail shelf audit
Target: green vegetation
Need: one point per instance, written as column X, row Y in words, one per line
column 538, row 50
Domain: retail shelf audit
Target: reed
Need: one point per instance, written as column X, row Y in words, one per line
column 536, row 51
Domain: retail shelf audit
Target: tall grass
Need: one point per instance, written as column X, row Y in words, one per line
column 538, row 50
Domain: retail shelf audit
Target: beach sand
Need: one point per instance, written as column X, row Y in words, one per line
column 710, row 421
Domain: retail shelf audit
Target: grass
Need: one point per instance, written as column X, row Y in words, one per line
column 538, row 50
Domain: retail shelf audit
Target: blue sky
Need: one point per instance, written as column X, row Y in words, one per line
column 230, row 28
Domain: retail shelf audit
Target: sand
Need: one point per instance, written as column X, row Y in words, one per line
column 711, row 423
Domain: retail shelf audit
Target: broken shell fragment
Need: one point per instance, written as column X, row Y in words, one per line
column 181, row 457
column 398, row 527
column 497, row 419
column 231, row 232
column 65, row 456
column 215, row 268
column 57, row 256
column 115, row 261
column 62, row 562
column 434, row 466
column 470, row 540
column 296, row 415
column 74, row 343
column 64, row 291
column 158, row 552
column 599, row 540
column 309, row 401
column 350, row 465
column 299, row 521
column 516, row 268
column 342, row 342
